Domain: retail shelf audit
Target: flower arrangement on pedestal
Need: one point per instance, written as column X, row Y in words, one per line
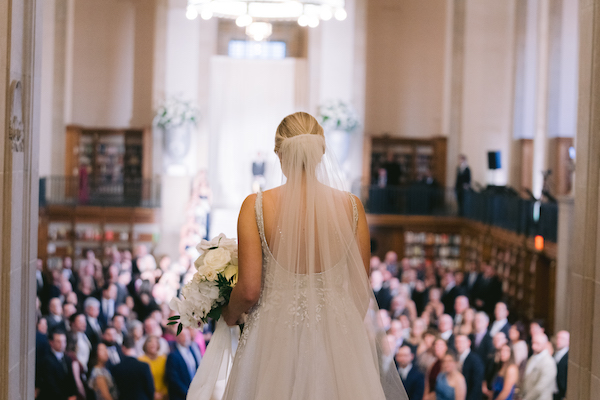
column 339, row 119
column 176, row 117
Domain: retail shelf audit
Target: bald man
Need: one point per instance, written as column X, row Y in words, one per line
column 561, row 356
column 540, row 373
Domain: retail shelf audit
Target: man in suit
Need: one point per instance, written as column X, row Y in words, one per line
column 493, row 365
column 488, row 290
column 501, row 322
column 451, row 292
column 84, row 345
column 92, row 310
column 471, row 279
column 108, row 304
column 181, row 367
column 481, row 341
column 463, row 181
column 446, row 327
column 561, row 357
column 412, row 378
column 540, row 373
column 461, row 304
column 470, row 366
column 382, row 293
column 56, row 381
column 113, row 277
column 132, row 377
column 115, row 353
column 55, row 317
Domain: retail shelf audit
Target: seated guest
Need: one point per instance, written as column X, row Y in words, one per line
column 481, row 341
column 157, row 363
column 56, row 381
column 501, row 322
column 503, row 385
column 471, row 366
column 182, row 364
column 440, row 348
column 132, row 377
column 562, row 361
column 412, row 378
column 450, row 383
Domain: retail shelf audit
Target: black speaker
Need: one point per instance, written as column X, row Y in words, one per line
column 494, row 160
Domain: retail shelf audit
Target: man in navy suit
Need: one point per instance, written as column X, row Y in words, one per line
column 133, row 378
column 481, row 341
column 181, row 367
column 471, row 367
column 412, row 378
column 93, row 330
column 561, row 356
column 56, row 380
column 108, row 304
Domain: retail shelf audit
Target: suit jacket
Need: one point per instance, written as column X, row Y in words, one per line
column 489, row 291
column 561, row 377
column 55, row 382
column 473, row 371
column 485, row 350
column 133, row 379
column 53, row 325
column 384, row 298
column 103, row 319
column 177, row 375
column 414, row 384
column 538, row 384
column 92, row 335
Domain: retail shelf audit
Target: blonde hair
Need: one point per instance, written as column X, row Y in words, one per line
column 296, row 124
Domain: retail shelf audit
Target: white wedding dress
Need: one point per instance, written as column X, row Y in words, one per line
column 313, row 335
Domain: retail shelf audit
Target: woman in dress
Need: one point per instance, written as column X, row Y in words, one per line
column 101, row 381
column 504, row 383
column 440, row 348
column 516, row 334
column 424, row 355
column 157, row 365
column 466, row 326
column 304, row 252
column 451, row 384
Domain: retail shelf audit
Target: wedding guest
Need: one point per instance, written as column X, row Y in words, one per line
column 56, row 375
column 450, row 383
column 424, row 356
column 481, row 341
column 562, row 362
column 107, row 304
column 540, row 373
column 440, row 349
column 451, row 292
column 152, row 328
column 136, row 329
column 463, row 181
column 55, row 317
column 492, row 366
column 118, row 322
column 505, row 381
column 412, row 378
column 113, row 277
column 536, row 327
column 488, row 291
column 501, row 322
column 157, row 363
column 115, row 354
column 382, row 293
column 181, row 367
column 468, row 322
column 84, row 345
column 92, row 310
column 516, row 334
column 79, row 372
column 446, row 328
column 416, row 333
column 398, row 307
column 131, row 376
column 471, row 366
column 471, row 278
column 435, row 308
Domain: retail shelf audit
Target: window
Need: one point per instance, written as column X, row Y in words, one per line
column 252, row 49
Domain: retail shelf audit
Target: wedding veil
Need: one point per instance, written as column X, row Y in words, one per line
column 324, row 317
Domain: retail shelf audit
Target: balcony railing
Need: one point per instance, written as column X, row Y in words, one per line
column 61, row 190
column 503, row 210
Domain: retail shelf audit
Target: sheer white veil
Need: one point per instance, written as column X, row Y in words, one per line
column 319, row 275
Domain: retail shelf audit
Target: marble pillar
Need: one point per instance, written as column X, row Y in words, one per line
column 584, row 284
column 20, row 55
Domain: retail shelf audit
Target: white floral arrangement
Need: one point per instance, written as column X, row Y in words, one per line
column 175, row 112
column 210, row 288
column 338, row 115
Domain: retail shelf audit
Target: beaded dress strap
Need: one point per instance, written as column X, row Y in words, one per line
column 258, row 209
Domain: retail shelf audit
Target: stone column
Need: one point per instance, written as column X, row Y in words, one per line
column 564, row 259
column 584, row 284
column 20, row 45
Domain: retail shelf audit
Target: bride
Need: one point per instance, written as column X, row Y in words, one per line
column 304, row 249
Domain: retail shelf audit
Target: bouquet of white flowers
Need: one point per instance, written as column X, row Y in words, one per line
column 209, row 290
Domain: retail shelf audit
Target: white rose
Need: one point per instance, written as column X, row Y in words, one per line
column 210, row 274
column 219, row 241
column 217, row 259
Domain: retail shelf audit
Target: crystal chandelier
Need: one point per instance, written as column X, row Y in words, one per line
column 248, row 12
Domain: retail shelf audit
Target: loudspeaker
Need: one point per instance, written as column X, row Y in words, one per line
column 494, row 160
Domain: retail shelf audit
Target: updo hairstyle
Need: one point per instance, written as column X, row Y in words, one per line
column 296, row 124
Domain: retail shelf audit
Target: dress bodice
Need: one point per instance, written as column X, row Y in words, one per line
column 443, row 390
column 498, row 385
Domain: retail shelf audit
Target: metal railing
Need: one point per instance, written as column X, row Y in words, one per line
column 61, row 190
column 501, row 209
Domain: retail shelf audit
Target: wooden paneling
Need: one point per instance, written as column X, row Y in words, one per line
column 525, row 164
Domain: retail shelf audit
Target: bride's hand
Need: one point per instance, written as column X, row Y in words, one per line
column 231, row 320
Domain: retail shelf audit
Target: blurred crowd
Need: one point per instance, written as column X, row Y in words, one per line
column 102, row 330
column 452, row 336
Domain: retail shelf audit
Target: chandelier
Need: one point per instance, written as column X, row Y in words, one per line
column 249, row 12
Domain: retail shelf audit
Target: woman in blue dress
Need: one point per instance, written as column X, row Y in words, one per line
column 450, row 384
column 503, row 386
